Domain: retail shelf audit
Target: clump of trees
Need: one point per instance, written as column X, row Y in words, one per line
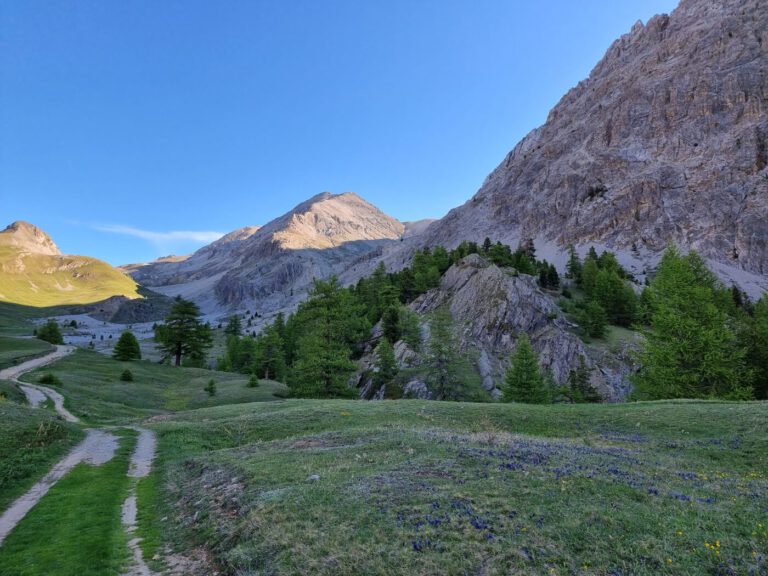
column 183, row 335
column 609, row 295
column 50, row 332
column 704, row 340
column 127, row 348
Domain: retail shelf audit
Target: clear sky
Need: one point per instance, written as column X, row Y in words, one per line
column 130, row 130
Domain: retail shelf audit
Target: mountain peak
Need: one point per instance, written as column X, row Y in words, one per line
column 328, row 220
column 29, row 238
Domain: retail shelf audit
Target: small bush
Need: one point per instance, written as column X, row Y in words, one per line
column 50, row 379
column 253, row 381
column 211, row 387
column 126, row 376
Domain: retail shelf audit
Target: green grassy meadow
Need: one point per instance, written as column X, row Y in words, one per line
column 413, row 487
column 94, row 392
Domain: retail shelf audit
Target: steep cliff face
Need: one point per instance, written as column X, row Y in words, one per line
column 270, row 268
column 666, row 141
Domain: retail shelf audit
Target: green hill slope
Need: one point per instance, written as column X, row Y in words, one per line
column 34, row 273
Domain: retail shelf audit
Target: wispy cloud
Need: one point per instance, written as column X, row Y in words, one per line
column 163, row 239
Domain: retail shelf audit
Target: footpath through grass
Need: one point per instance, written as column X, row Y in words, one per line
column 93, row 390
column 75, row 530
column 16, row 350
column 32, row 441
column 412, row 487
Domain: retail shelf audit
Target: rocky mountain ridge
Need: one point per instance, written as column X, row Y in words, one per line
column 665, row 142
column 271, row 267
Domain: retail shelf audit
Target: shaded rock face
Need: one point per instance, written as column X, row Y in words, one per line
column 491, row 307
column 270, row 268
column 666, row 141
column 27, row 237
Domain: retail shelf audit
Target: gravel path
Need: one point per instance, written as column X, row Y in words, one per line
column 34, row 392
column 141, row 464
column 98, row 447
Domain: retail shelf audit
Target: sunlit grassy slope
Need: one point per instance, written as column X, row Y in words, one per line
column 45, row 280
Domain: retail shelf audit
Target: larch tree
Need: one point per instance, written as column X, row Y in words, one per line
column 183, row 334
column 524, row 381
column 127, row 347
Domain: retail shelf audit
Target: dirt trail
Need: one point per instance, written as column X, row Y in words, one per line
column 98, row 448
column 34, row 392
column 141, row 464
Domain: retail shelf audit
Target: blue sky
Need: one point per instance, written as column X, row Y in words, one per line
column 130, row 130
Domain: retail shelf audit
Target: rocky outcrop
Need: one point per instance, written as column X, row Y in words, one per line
column 665, row 142
column 26, row 237
column 490, row 308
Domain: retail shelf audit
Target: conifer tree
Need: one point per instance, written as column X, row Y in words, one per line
column 691, row 350
column 269, row 355
column 442, row 358
column 234, row 326
column 127, row 347
column 50, row 332
column 755, row 337
column 573, row 268
column 330, row 326
column 386, row 364
column 183, row 334
column 524, row 381
column 581, row 388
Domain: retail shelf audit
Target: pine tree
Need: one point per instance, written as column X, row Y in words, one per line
column 581, row 388
column 127, row 348
column 691, row 350
column 573, row 268
column 331, row 324
column 524, row 381
column 593, row 319
column 211, row 387
column 410, row 328
column 269, row 360
column 50, row 332
column 183, row 334
column 442, row 366
column 386, row 364
column 487, row 245
column 390, row 323
column 126, row 376
column 234, row 326
column 253, row 381
column 755, row 337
